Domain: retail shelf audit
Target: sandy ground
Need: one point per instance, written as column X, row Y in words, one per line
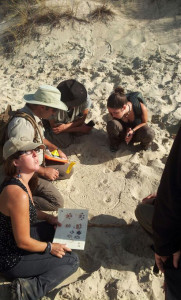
column 138, row 49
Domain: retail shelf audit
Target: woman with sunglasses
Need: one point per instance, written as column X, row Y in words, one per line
column 128, row 120
column 27, row 254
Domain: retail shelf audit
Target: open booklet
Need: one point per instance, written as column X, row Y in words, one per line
column 74, row 228
column 54, row 155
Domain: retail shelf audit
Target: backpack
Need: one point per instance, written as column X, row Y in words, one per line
column 5, row 119
column 135, row 98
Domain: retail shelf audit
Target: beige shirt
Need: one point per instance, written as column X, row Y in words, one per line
column 22, row 129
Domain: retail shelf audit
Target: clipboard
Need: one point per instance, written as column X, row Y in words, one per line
column 54, row 156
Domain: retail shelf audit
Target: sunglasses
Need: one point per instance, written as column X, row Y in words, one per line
column 28, row 152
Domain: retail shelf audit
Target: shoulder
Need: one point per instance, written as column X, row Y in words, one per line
column 19, row 127
column 85, row 106
column 143, row 106
column 19, row 122
column 88, row 102
column 15, row 195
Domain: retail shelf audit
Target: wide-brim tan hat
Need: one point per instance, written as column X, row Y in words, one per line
column 46, row 95
column 14, row 145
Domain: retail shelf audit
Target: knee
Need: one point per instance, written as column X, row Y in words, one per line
column 138, row 211
column 59, row 202
column 113, row 127
column 75, row 261
column 55, row 199
column 142, row 213
column 149, row 133
column 65, row 171
column 68, row 173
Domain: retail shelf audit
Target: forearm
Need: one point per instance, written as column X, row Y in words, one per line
column 138, row 126
column 32, row 245
column 42, row 215
column 41, row 171
column 72, row 126
column 74, row 129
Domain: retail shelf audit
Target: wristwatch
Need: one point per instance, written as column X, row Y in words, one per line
column 48, row 248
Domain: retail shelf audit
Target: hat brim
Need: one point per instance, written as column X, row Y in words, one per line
column 75, row 103
column 32, row 146
column 29, row 98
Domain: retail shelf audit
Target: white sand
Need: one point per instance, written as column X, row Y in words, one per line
column 139, row 50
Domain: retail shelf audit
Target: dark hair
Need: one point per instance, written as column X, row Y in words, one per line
column 9, row 167
column 117, row 99
column 10, row 171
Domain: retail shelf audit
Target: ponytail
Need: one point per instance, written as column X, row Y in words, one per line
column 117, row 99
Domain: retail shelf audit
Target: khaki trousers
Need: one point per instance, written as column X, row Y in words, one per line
column 46, row 196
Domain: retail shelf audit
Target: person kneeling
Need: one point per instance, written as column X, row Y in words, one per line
column 128, row 120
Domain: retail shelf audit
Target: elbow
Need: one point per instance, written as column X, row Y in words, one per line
column 25, row 244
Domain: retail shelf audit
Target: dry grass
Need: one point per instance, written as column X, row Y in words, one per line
column 102, row 13
column 27, row 15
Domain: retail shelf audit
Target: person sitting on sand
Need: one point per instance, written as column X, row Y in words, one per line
column 128, row 122
column 27, row 254
column 65, row 124
column 164, row 213
column 41, row 105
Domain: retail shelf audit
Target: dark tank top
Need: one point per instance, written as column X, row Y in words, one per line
column 10, row 254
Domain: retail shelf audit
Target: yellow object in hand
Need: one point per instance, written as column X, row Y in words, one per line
column 55, row 152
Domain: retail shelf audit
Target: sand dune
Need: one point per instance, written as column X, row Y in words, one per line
column 138, row 49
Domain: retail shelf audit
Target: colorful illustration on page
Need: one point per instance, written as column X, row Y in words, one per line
column 73, row 230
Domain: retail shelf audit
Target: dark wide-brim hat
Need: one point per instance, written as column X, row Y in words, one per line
column 73, row 93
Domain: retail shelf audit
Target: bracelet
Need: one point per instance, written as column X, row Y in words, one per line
column 48, row 248
column 133, row 131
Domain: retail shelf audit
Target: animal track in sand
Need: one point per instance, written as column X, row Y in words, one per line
column 113, row 165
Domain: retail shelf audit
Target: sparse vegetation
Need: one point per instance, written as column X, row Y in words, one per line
column 102, row 13
column 27, row 15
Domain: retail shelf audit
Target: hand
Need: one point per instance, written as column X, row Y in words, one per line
column 61, row 154
column 59, row 128
column 129, row 135
column 84, row 128
column 51, row 173
column 149, row 199
column 159, row 261
column 59, row 250
column 53, row 220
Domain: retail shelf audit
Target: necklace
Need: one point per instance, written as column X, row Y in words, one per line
column 126, row 115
